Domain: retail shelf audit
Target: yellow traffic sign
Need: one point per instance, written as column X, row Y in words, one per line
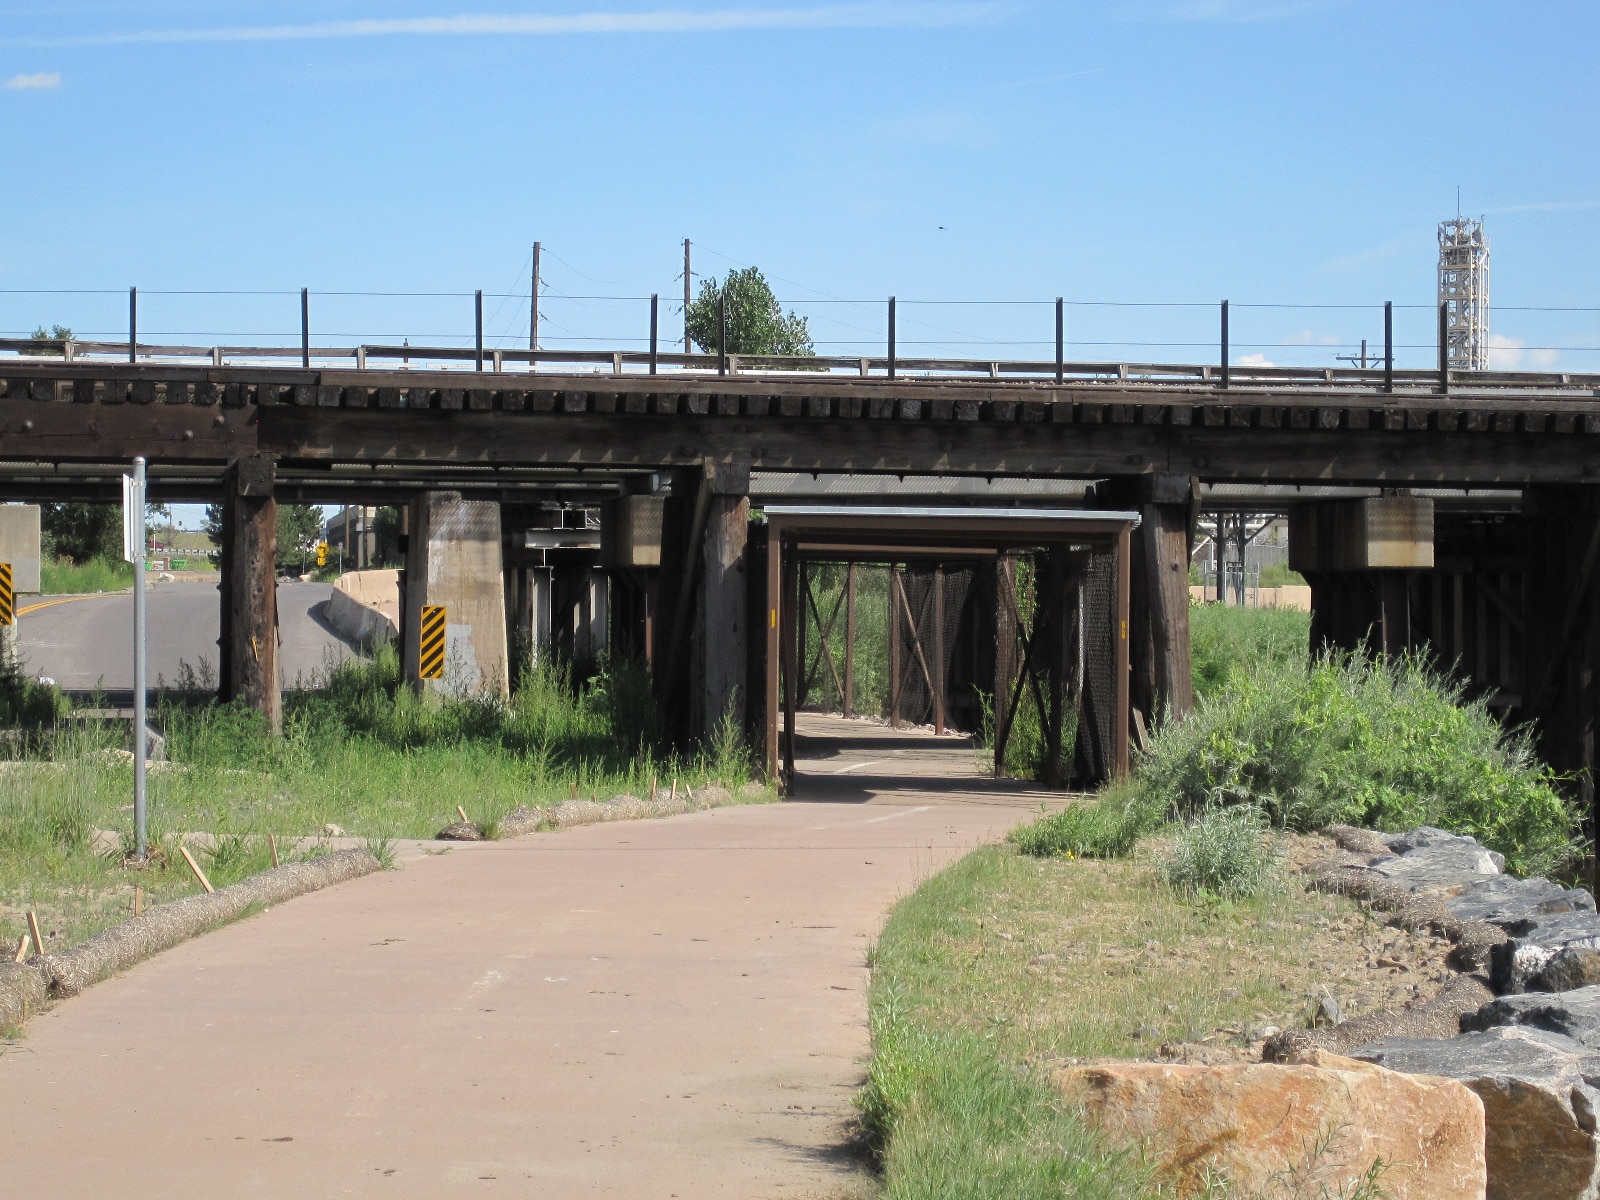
column 430, row 647
column 8, row 599
column 322, row 554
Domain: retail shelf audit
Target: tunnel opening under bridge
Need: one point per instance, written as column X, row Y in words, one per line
column 908, row 645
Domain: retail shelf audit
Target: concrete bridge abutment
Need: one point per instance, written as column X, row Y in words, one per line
column 453, row 558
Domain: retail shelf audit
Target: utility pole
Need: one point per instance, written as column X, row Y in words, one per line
column 1364, row 361
column 533, row 305
column 686, row 296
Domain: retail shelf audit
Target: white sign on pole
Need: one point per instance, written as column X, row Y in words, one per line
column 132, row 519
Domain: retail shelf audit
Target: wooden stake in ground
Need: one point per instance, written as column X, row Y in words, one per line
column 195, row 867
column 33, row 930
column 138, row 901
column 272, row 845
column 652, row 789
column 462, row 813
column 22, row 948
column 674, row 795
column 574, row 788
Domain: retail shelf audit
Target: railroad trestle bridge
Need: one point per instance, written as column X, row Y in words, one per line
column 1488, row 484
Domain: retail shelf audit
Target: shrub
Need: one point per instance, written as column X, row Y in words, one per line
column 1105, row 827
column 1389, row 743
column 1227, row 853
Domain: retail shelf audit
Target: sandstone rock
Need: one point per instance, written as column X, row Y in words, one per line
column 1538, row 1101
column 1515, row 963
column 1254, row 1122
column 1574, row 967
column 1574, row 1014
column 1506, row 901
column 460, row 831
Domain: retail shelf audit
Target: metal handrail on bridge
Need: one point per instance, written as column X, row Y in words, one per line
column 475, row 360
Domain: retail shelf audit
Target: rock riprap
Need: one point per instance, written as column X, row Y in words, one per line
column 1539, row 1104
column 1574, row 1014
column 1256, row 1123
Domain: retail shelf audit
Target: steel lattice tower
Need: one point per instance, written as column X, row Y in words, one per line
column 1464, row 292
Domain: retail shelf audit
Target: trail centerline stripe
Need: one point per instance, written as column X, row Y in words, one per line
column 22, row 612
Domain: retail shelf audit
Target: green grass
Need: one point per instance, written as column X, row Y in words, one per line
column 360, row 752
column 1228, row 643
column 64, row 577
column 969, row 1024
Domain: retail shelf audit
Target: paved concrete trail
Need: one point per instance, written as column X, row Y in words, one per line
column 646, row 1009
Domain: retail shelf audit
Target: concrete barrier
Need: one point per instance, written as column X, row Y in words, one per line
column 365, row 606
column 1288, row 595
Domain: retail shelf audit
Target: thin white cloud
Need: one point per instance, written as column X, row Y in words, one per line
column 43, row 81
column 931, row 129
column 1306, row 338
column 1218, row 11
column 1512, row 354
column 1253, row 360
column 1366, row 260
column 1548, row 206
column 834, row 16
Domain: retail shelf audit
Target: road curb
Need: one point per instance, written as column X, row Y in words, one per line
column 29, row 987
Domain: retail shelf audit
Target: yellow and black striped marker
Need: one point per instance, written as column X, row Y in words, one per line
column 430, row 649
column 8, row 599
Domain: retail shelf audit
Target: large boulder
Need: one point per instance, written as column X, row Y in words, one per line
column 1574, row 1014
column 1508, row 902
column 1446, row 864
column 1326, row 1119
column 1515, row 963
column 1539, row 1104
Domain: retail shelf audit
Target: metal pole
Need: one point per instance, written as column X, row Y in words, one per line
column 533, row 306
column 891, row 337
column 305, row 328
column 140, row 744
column 1061, row 340
column 655, row 328
column 686, row 296
column 1444, row 346
column 477, row 318
column 133, row 324
column 722, row 334
column 1225, row 380
column 1388, row 345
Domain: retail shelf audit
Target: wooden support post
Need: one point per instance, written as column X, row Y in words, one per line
column 774, row 673
column 249, row 586
column 791, row 602
column 1005, row 654
column 850, row 641
column 723, row 634
column 894, row 647
column 937, row 682
column 807, row 610
column 1121, row 722
column 33, row 932
column 1158, row 637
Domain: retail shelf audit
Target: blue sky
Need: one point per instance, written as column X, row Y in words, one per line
column 1269, row 151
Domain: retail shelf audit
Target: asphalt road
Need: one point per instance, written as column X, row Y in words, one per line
column 84, row 642
column 641, row 1010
